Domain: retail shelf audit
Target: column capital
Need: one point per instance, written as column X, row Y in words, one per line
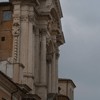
column 57, row 52
column 43, row 31
column 57, row 55
column 49, row 58
column 27, row 18
column 24, row 18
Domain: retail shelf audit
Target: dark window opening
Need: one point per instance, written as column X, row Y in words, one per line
column 7, row 15
column 3, row 99
column 2, row 38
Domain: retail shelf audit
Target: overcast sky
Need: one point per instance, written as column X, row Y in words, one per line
column 80, row 55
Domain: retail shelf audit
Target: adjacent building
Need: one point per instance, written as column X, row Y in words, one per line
column 66, row 88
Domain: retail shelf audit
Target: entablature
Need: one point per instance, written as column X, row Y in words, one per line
column 50, row 12
column 51, row 6
column 32, row 2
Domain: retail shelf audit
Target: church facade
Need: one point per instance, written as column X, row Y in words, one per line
column 30, row 36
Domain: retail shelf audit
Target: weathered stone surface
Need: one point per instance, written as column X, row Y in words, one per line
column 32, row 49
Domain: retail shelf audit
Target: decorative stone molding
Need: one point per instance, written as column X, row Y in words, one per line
column 16, row 33
column 16, row 17
column 16, row 25
column 16, row 29
column 10, row 60
column 26, row 18
column 15, row 48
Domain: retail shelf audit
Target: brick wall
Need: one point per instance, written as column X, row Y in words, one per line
column 6, row 38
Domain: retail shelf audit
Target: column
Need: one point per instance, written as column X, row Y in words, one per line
column 49, row 66
column 53, row 73
column 37, row 56
column 24, row 36
column 57, row 57
column 43, row 57
column 41, row 87
column 49, row 78
column 31, row 50
column 54, row 67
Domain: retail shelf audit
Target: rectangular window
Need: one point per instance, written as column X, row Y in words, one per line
column 2, row 38
column 3, row 99
column 7, row 15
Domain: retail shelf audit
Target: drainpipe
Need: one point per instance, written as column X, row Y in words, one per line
column 13, row 93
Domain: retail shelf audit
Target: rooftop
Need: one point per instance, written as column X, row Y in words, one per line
column 68, row 81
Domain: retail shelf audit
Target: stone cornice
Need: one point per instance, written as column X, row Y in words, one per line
column 51, row 12
column 58, row 5
column 42, row 15
column 8, row 84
